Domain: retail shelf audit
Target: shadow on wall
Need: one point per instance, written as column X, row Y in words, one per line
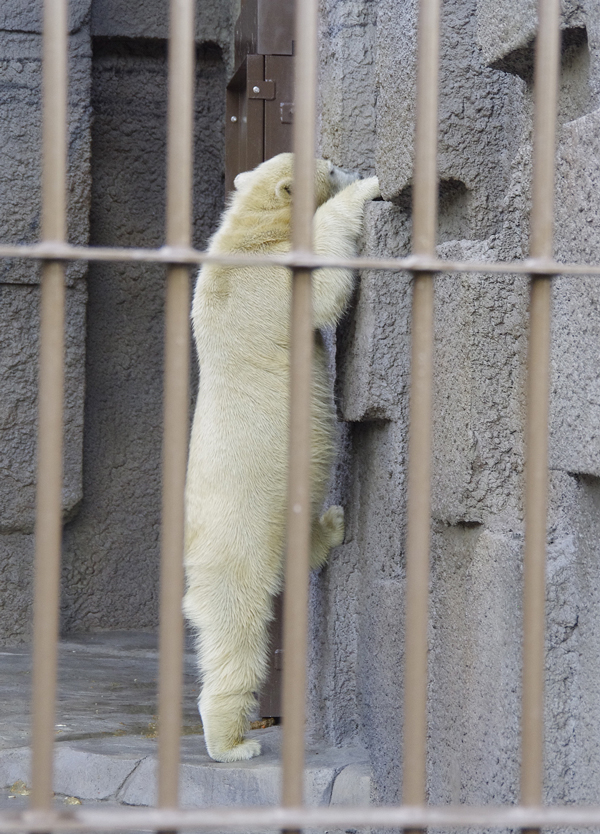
column 575, row 95
column 454, row 209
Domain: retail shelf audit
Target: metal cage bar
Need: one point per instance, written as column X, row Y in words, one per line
column 308, row 260
column 419, row 454
column 176, row 396
column 536, row 468
column 53, row 251
column 259, row 819
column 295, row 606
column 48, row 523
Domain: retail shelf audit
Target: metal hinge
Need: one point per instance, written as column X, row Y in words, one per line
column 261, row 90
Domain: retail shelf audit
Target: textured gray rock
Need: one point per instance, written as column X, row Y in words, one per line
column 255, row 782
column 18, row 413
column 480, row 351
column 478, row 112
column 16, row 600
column 88, row 775
column 347, row 84
column 126, row 771
column 20, row 138
column 150, row 19
column 16, row 16
column 106, row 744
column 506, row 31
column 352, row 786
column 20, row 178
column 474, row 661
column 110, row 571
column 125, row 92
column 374, row 340
column 481, row 335
column 357, row 607
column 15, row 764
column 107, row 695
column 575, row 418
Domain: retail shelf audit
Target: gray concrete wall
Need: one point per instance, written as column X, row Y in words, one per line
column 112, row 546
column 20, row 141
column 368, row 55
column 117, row 111
column 112, row 484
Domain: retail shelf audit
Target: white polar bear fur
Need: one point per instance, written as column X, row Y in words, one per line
column 237, row 471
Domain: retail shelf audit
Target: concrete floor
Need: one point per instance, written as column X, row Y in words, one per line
column 106, row 735
column 106, row 687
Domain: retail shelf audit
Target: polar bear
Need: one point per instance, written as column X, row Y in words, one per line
column 238, row 459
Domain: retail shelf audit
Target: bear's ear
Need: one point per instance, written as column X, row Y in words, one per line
column 283, row 189
column 241, row 179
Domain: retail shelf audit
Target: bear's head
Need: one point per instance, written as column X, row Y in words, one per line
column 269, row 186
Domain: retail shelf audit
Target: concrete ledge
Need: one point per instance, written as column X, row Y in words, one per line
column 106, row 744
column 124, row 770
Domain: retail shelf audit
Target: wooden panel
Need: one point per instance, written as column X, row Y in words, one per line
column 278, row 133
column 252, row 116
column 270, row 696
column 275, row 27
column 244, row 127
column 245, row 31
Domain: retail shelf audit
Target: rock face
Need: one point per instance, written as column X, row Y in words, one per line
column 113, row 419
column 368, row 57
column 114, row 363
column 20, row 139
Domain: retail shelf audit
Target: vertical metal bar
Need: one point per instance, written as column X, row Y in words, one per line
column 542, row 219
column 48, row 524
column 176, row 396
column 419, row 457
column 295, row 622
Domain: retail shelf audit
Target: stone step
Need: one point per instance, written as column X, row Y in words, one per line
column 124, row 770
column 106, row 739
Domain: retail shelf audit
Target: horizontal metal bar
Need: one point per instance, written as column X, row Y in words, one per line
column 300, row 260
column 250, row 819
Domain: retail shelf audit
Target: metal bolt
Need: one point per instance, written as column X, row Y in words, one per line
column 234, row 118
column 256, row 89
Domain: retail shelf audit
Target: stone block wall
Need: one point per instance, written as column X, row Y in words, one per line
column 367, row 103
column 111, row 554
column 114, row 364
column 113, row 419
column 20, row 171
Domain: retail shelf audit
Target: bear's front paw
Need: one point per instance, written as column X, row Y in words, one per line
column 332, row 522
column 370, row 188
column 239, row 753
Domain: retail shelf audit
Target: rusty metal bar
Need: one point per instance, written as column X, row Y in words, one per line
column 419, row 455
column 255, row 819
column 547, row 63
column 48, row 523
column 176, row 397
column 295, row 609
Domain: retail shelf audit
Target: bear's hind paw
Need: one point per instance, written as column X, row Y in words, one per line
column 332, row 522
column 239, row 753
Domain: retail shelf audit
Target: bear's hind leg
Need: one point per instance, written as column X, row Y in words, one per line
column 231, row 614
column 327, row 532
